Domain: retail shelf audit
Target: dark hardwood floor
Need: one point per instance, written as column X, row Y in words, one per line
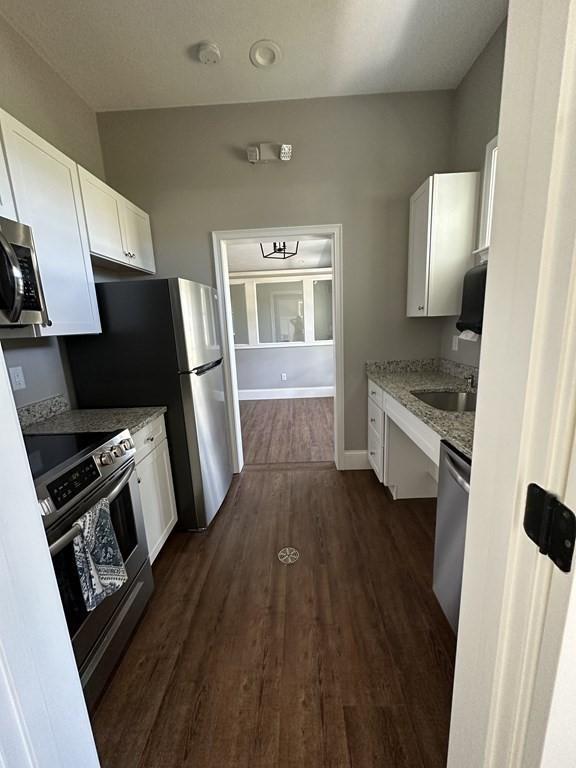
column 342, row 660
column 277, row 431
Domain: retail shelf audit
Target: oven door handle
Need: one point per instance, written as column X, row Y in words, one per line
column 75, row 529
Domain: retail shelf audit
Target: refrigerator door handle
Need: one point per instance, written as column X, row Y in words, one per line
column 202, row 369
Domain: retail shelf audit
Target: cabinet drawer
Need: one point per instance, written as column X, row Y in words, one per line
column 376, row 419
column 375, row 453
column 375, row 393
column 146, row 439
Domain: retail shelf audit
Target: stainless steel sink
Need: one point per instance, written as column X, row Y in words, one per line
column 448, row 401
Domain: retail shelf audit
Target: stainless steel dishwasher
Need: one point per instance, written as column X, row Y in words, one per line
column 451, row 514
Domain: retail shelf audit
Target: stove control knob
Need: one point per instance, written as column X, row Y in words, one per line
column 127, row 443
column 118, row 450
column 106, row 458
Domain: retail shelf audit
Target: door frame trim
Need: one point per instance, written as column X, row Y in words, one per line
column 220, row 240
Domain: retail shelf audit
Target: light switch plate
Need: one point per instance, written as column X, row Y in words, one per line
column 17, row 378
column 283, row 376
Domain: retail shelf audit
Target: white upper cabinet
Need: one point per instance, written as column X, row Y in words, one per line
column 138, row 236
column 118, row 231
column 7, row 207
column 103, row 218
column 47, row 197
column 442, row 228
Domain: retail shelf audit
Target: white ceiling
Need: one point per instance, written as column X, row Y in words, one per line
column 137, row 53
column 247, row 257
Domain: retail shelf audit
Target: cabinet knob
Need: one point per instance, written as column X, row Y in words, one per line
column 372, row 420
column 420, row 307
column 372, row 453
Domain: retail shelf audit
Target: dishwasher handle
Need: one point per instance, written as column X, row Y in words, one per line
column 455, row 475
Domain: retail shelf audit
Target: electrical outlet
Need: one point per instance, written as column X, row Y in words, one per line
column 454, row 343
column 283, row 376
column 17, row 378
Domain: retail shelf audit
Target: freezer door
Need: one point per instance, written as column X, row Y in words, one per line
column 196, row 323
column 206, row 426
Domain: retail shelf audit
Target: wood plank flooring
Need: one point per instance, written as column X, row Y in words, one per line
column 342, row 660
column 277, row 431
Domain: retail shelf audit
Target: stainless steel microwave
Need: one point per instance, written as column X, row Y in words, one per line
column 21, row 295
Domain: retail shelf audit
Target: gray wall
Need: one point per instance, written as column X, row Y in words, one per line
column 303, row 366
column 476, row 113
column 33, row 93
column 36, row 95
column 356, row 161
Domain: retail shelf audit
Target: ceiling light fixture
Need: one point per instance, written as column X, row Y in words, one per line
column 265, row 53
column 280, row 251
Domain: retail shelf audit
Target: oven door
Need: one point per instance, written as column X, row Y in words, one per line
column 21, row 296
column 86, row 627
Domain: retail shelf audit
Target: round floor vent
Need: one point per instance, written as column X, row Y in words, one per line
column 288, row 555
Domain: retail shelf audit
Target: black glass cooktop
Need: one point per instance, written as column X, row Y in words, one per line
column 48, row 451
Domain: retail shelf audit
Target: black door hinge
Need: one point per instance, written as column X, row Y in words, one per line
column 550, row 525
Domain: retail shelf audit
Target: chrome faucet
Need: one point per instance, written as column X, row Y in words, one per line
column 470, row 381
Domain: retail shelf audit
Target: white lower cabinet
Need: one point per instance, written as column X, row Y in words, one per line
column 403, row 451
column 156, row 486
column 375, row 453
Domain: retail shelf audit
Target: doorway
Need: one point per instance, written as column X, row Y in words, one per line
column 281, row 313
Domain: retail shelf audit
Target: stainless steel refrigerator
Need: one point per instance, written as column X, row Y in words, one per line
column 160, row 345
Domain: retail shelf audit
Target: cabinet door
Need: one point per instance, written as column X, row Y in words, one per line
column 102, row 209
column 138, row 236
column 419, row 250
column 47, row 197
column 7, row 207
column 157, row 496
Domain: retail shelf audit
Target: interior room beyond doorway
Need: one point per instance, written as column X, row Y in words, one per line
column 281, row 295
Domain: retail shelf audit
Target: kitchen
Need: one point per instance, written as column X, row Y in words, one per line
column 115, row 348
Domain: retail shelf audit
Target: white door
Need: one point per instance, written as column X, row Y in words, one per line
column 157, row 494
column 102, row 208
column 515, row 686
column 47, row 196
column 43, row 717
column 138, row 236
column 419, row 250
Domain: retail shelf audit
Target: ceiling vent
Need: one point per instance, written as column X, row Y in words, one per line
column 265, row 53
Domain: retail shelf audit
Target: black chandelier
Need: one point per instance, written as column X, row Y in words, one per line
column 280, row 251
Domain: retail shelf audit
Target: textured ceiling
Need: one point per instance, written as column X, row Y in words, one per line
column 139, row 53
column 247, row 257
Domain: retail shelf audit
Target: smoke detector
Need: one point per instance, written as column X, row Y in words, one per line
column 265, row 53
column 209, row 53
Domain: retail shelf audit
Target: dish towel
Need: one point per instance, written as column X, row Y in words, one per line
column 98, row 558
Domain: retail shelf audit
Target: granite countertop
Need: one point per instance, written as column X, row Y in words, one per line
column 457, row 428
column 96, row 420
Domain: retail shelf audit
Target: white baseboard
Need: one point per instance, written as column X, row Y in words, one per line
column 285, row 394
column 355, row 460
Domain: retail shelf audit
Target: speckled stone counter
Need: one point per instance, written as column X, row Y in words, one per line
column 398, row 381
column 96, row 420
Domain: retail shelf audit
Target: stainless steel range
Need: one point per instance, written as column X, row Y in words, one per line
column 72, row 472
